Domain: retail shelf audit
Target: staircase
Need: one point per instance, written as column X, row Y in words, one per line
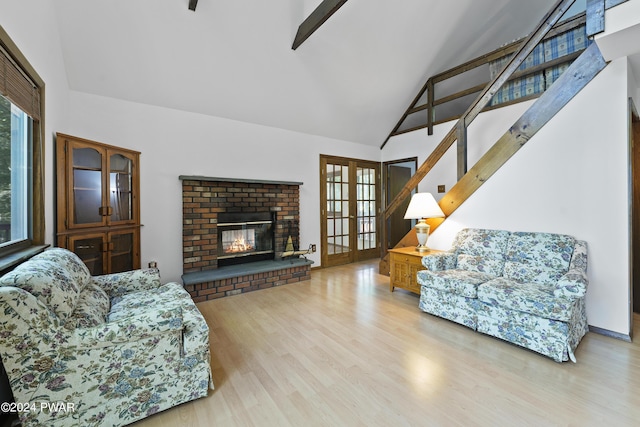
column 576, row 77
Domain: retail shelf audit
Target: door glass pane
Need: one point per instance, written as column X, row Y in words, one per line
column 337, row 209
column 87, row 185
column 120, row 193
column 365, row 190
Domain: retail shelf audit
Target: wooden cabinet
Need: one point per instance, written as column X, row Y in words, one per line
column 98, row 205
column 405, row 264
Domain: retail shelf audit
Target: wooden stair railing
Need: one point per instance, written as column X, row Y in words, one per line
column 546, row 106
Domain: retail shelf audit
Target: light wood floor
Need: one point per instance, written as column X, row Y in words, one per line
column 341, row 350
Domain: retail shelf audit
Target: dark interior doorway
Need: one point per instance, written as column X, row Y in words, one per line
column 397, row 173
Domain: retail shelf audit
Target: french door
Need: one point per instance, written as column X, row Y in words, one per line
column 350, row 207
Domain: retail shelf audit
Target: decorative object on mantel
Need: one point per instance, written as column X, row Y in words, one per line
column 421, row 207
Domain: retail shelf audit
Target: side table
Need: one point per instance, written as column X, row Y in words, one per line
column 405, row 264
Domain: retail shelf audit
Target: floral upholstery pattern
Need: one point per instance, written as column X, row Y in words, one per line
column 450, row 306
column 525, row 297
column 538, row 257
column 61, row 341
column 91, row 309
column 455, row 281
column 535, row 301
column 477, row 256
column 481, row 250
column 440, row 261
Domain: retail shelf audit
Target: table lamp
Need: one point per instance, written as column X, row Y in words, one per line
column 421, row 207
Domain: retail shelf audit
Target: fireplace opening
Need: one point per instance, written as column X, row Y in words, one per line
column 245, row 237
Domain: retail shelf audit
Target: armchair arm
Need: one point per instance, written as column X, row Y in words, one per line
column 440, row 261
column 118, row 284
column 154, row 322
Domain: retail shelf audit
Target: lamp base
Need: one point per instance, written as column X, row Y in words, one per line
column 422, row 234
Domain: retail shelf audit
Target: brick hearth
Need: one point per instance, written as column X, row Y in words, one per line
column 203, row 199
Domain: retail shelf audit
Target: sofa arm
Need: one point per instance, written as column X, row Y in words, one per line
column 572, row 285
column 153, row 322
column 118, row 284
column 440, row 261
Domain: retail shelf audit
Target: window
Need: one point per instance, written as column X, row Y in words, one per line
column 21, row 156
column 15, row 173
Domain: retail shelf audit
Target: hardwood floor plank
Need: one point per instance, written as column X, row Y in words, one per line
column 341, row 350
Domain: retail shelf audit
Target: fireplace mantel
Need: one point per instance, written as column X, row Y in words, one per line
column 246, row 181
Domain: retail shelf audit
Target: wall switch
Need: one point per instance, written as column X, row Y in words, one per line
column 313, row 247
column 441, row 189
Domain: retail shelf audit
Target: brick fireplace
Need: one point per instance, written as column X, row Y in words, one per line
column 239, row 210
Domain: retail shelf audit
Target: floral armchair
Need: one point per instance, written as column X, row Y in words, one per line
column 103, row 350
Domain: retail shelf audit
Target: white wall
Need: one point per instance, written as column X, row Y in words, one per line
column 571, row 177
column 30, row 25
column 176, row 143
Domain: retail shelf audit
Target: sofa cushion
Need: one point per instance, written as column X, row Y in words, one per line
column 66, row 259
column 538, row 257
column 49, row 282
column 533, row 298
column 91, row 309
column 481, row 250
column 460, row 282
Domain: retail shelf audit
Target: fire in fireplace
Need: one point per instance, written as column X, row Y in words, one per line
column 245, row 237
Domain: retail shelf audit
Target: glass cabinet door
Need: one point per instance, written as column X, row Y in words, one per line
column 90, row 248
column 86, row 200
column 122, row 251
column 120, row 188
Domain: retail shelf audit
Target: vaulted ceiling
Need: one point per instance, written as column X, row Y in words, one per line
column 351, row 80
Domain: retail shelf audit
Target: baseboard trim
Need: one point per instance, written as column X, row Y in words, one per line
column 608, row 333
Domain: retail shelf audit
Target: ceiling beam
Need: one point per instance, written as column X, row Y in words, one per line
column 193, row 4
column 316, row 19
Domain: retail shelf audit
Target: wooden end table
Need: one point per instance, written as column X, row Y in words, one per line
column 405, row 264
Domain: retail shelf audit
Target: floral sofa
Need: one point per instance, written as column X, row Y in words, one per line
column 98, row 351
column 525, row 288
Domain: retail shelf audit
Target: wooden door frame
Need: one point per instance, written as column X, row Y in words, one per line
column 354, row 254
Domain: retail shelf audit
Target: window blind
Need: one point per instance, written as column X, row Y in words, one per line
column 16, row 86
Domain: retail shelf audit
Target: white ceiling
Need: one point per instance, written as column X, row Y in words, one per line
column 351, row 80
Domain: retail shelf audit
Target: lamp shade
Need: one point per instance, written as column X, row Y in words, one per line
column 423, row 205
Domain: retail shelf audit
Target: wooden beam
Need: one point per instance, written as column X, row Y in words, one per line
column 576, row 77
column 595, row 17
column 193, row 4
column 316, row 19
